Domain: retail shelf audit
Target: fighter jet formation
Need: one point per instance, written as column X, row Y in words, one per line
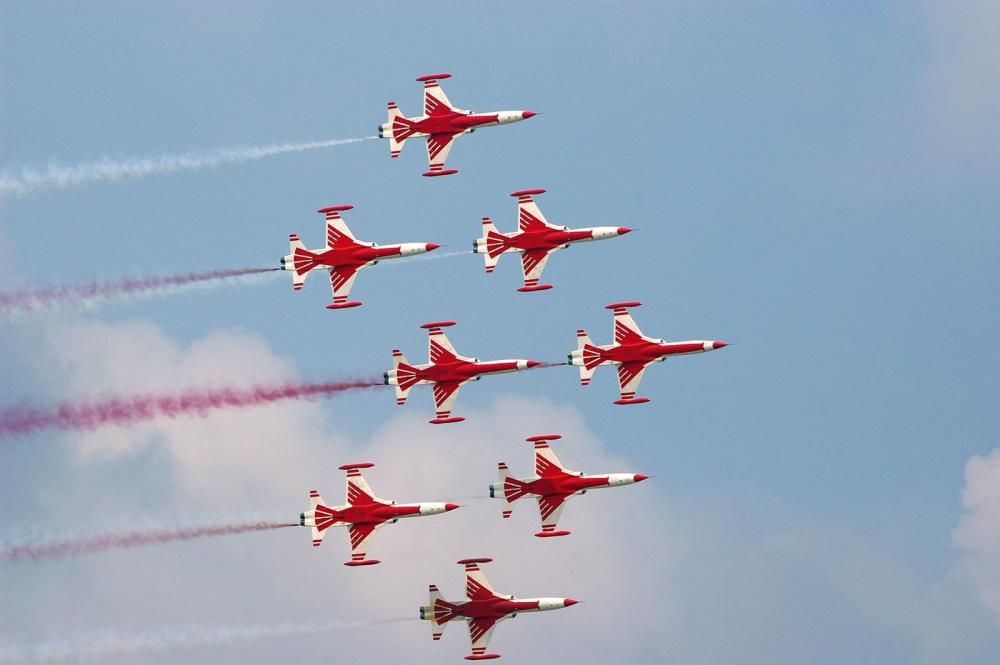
column 343, row 256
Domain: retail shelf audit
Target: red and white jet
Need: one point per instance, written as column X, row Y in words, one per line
column 483, row 609
column 632, row 351
column 441, row 123
column 552, row 485
column 362, row 515
column 344, row 256
column 535, row 238
column 446, row 370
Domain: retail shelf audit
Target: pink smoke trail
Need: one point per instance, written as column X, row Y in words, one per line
column 54, row 296
column 89, row 415
column 103, row 542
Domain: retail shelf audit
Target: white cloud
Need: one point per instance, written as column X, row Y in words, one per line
column 978, row 532
column 936, row 122
column 960, row 91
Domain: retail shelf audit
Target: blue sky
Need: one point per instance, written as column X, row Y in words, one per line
column 811, row 182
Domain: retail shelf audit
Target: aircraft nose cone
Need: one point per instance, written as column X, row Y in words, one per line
column 451, row 506
column 569, row 601
column 528, row 114
column 718, row 345
column 533, row 363
column 430, row 247
column 622, row 230
column 639, row 477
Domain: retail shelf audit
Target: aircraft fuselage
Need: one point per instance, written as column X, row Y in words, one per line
column 463, row 370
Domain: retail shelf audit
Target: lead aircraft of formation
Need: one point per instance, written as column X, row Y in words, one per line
column 631, row 351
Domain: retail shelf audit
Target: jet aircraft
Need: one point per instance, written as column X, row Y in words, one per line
column 631, row 351
column 483, row 609
column 445, row 370
column 441, row 124
column 535, row 238
column 344, row 256
column 362, row 514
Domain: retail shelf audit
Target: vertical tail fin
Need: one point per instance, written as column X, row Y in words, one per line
column 309, row 518
column 509, row 489
column 397, row 130
column 438, row 611
column 300, row 261
column 402, row 375
column 587, row 356
column 492, row 245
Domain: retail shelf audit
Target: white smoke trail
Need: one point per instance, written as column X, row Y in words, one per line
column 91, row 646
column 17, row 304
column 430, row 256
column 30, row 180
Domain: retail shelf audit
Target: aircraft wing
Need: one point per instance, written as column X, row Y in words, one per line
column 438, row 147
column 477, row 587
column 629, row 376
column 480, row 632
column 546, row 462
column 358, row 490
column 341, row 281
column 361, row 540
column 529, row 216
column 550, row 508
column 435, row 101
column 624, row 328
column 445, row 394
column 439, row 347
column 533, row 263
column 337, row 231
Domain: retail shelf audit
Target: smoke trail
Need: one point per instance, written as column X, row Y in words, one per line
column 91, row 646
column 29, row 180
column 89, row 415
column 430, row 256
column 102, row 542
column 13, row 302
column 547, row 365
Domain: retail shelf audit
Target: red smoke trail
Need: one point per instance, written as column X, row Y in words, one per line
column 46, row 298
column 139, row 408
column 100, row 543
